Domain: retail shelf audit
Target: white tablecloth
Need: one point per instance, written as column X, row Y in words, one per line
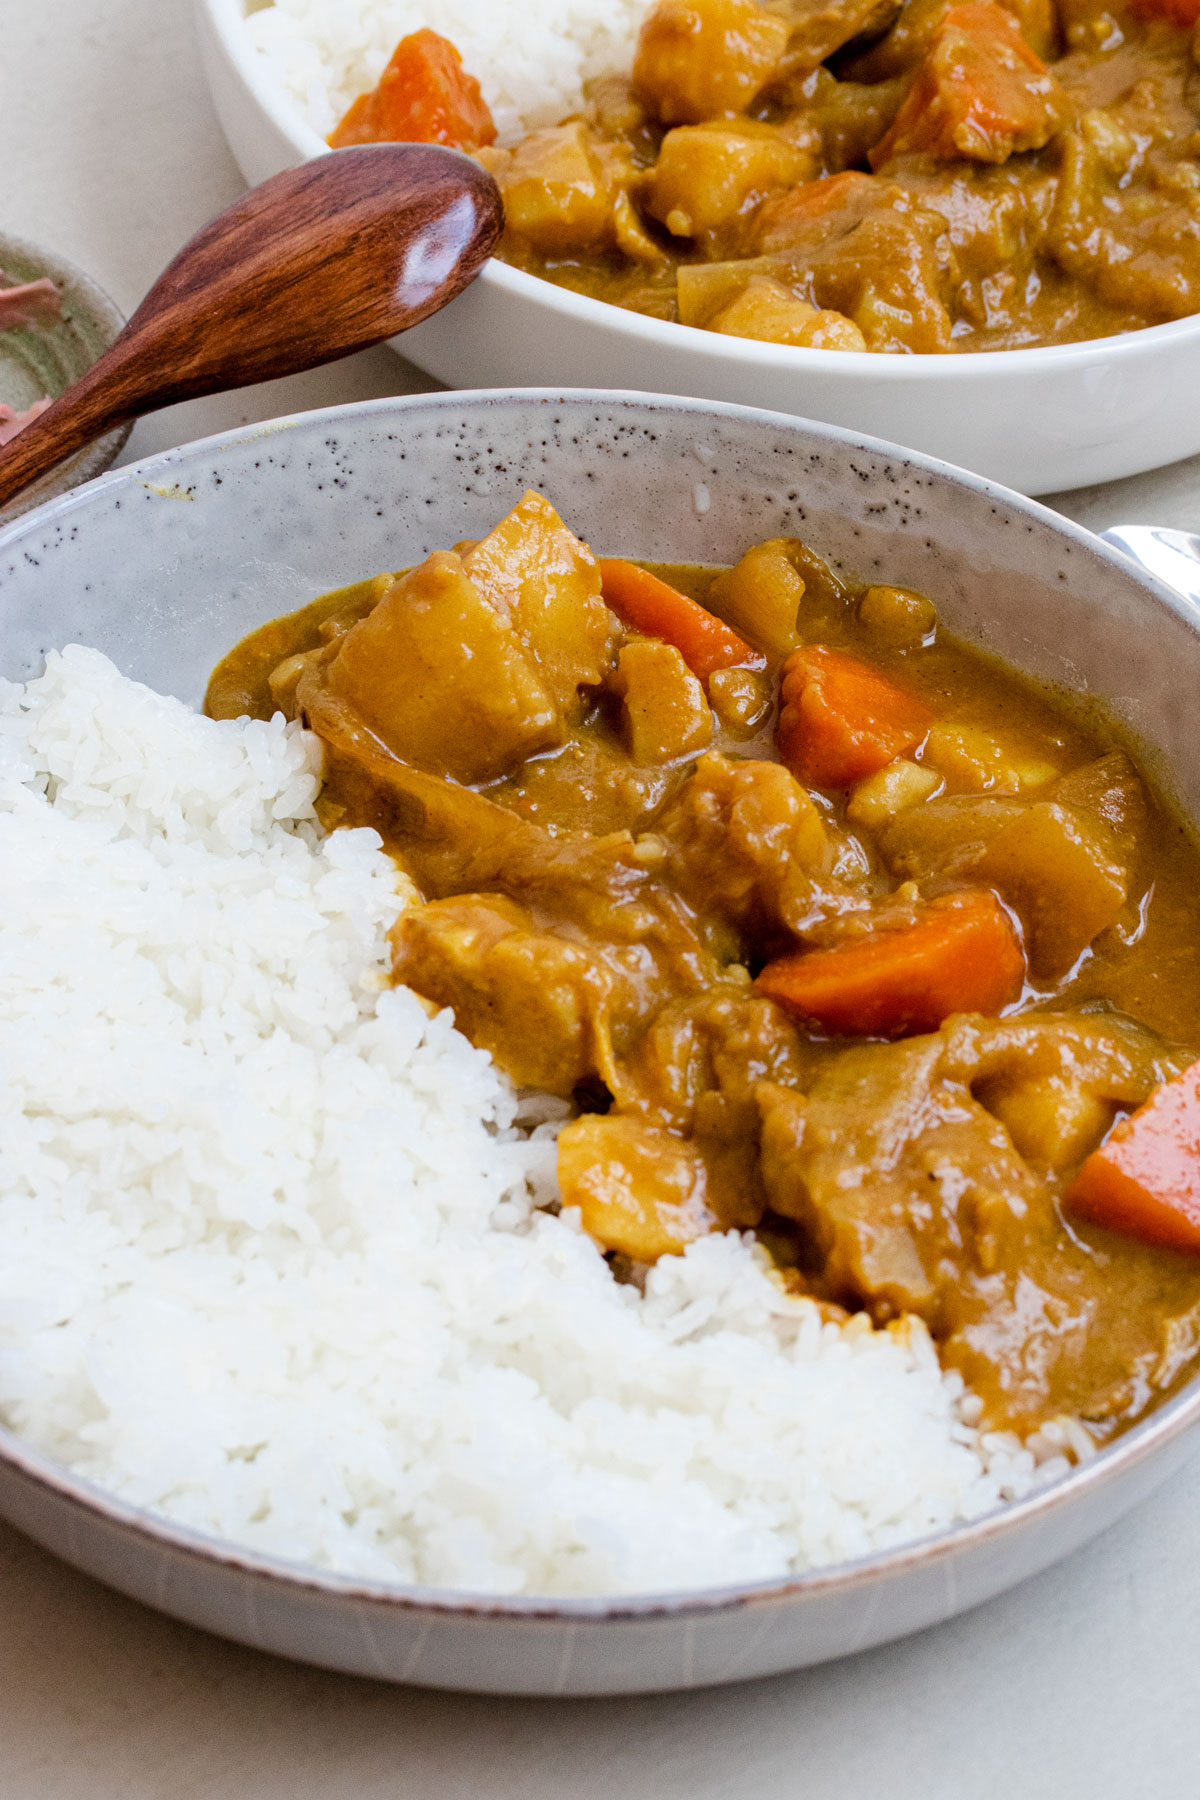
column 1083, row 1683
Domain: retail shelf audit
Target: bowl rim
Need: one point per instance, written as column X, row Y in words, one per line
column 227, row 19
column 1170, row 1421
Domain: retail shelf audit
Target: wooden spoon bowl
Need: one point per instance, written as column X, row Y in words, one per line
column 316, row 263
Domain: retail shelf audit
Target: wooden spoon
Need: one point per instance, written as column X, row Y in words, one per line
column 320, row 261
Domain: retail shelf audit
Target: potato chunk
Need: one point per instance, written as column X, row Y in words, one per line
column 439, row 676
column 535, row 1001
column 664, row 714
column 708, row 175
column 890, row 791
column 545, row 583
column 1062, row 867
column 704, row 59
column 974, row 761
column 740, row 698
column 633, row 240
column 760, row 597
column 1057, row 867
column 703, row 289
column 766, row 310
column 639, row 1189
column 897, row 615
column 1052, row 1120
column 559, row 195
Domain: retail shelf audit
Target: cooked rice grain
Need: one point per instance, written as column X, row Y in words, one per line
column 531, row 59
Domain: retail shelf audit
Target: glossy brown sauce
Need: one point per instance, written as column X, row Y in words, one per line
column 1044, row 1317
column 1065, row 207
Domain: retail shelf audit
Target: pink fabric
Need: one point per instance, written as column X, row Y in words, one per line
column 11, row 421
column 27, row 303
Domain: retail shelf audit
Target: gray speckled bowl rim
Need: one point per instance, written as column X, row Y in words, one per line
column 1169, row 1422
column 80, row 290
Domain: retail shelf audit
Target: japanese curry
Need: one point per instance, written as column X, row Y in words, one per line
column 827, row 927
column 890, row 175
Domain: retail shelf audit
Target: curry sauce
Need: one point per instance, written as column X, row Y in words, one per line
column 626, row 888
column 905, row 178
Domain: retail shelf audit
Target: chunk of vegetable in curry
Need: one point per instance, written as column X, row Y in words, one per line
column 898, row 176
column 824, row 925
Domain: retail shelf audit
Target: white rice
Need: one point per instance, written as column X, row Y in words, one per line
column 274, row 1254
column 531, row 57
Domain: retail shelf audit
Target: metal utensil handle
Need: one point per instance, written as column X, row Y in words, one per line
column 1172, row 556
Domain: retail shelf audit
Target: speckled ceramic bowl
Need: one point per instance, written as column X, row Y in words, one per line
column 162, row 565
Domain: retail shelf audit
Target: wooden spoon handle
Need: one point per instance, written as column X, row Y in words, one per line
column 315, row 263
column 92, row 406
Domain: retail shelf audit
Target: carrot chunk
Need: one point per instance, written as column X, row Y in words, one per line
column 960, row 955
column 705, row 642
column 981, row 92
column 1144, row 1179
column 841, row 720
column 814, row 199
column 424, row 96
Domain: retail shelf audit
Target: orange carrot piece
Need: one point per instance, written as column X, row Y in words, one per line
column 981, row 92
column 815, row 212
column 841, row 720
column 1144, row 1179
column 424, row 96
column 705, row 642
column 961, row 955
column 812, row 199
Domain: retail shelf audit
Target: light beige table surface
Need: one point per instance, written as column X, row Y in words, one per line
column 1083, row 1683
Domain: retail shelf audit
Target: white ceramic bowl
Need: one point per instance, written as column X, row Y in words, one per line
column 1040, row 420
column 164, row 564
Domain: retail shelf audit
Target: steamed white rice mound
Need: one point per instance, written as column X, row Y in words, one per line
column 274, row 1253
column 530, row 57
